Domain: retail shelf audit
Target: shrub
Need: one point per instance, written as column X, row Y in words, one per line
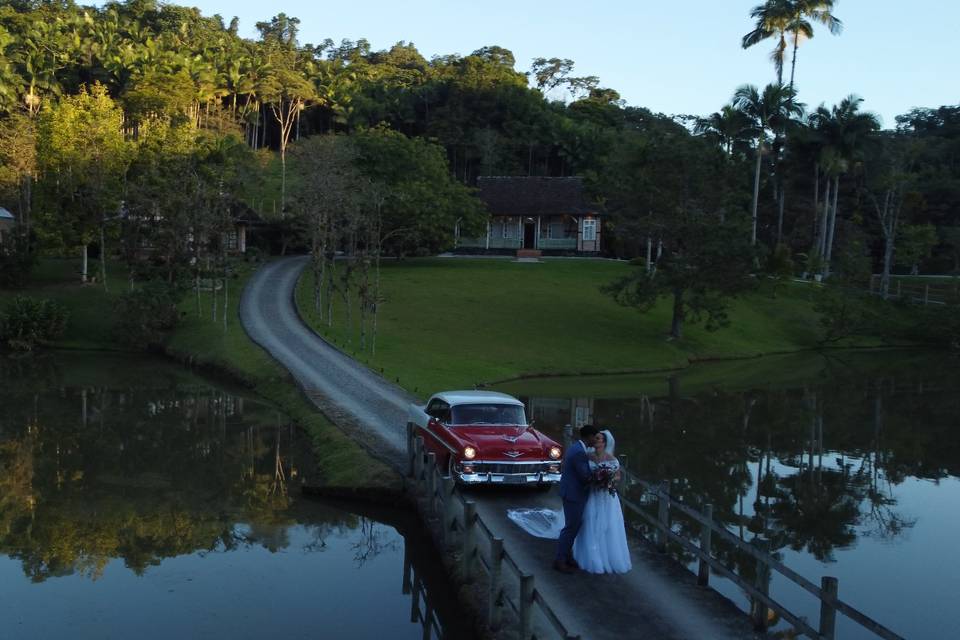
column 28, row 322
column 17, row 259
column 145, row 314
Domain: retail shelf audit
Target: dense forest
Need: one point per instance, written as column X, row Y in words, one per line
column 139, row 128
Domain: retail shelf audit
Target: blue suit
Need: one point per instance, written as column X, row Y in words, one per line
column 574, row 489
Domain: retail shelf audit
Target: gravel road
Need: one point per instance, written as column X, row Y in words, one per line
column 657, row 599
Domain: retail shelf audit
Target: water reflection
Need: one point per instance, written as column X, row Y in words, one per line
column 157, row 505
column 815, row 466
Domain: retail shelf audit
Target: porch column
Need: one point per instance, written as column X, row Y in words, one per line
column 536, row 240
column 520, row 230
column 489, row 224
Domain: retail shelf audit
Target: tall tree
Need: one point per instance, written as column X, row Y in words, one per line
column 84, row 155
column 800, row 27
column 843, row 131
column 766, row 112
column 772, row 20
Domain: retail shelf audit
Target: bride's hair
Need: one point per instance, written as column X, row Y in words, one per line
column 608, row 442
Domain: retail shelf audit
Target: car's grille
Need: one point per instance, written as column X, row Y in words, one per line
column 496, row 467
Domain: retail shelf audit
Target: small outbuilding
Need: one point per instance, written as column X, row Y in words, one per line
column 536, row 214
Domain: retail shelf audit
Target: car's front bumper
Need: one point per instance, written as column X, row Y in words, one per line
column 508, row 473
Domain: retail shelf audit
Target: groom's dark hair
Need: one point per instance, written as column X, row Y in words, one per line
column 587, row 431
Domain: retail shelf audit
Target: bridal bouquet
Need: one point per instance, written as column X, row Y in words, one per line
column 604, row 478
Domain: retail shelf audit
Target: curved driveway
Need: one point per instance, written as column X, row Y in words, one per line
column 657, row 599
column 345, row 390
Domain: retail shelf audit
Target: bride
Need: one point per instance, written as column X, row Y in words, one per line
column 601, row 544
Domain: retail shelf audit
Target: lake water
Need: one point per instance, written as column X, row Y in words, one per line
column 140, row 500
column 857, row 456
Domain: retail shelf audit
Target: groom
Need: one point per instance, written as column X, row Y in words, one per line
column 574, row 489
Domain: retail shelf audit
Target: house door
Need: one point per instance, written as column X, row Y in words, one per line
column 530, row 235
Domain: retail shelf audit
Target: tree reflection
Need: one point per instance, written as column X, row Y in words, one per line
column 140, row 472
column 808, row 467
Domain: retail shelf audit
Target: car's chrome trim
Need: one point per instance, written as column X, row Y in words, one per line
column 440, row 440
column 514, row 461
column 508, row 478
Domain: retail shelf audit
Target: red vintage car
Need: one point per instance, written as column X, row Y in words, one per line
column 483, row 437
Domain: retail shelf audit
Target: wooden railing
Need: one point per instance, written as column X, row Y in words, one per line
column 456, row 526
column 917, row 291
column 757, row 588
column 427, row 617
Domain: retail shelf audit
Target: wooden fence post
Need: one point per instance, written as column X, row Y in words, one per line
column 496, row 585
column 447, row 488
column 663, row 515
column 703, row 576
column 431, row 479
column 411, row 451
column 758, row 609
column 526, row 605
column 624, row 485
column 828, row 614
column 415, row 600
column 418, row 462
column 469, row 536
column 407, row 568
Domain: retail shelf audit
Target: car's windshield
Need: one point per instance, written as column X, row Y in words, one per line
column 464, row 414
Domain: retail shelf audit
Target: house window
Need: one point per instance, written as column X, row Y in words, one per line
column 556, row 231
column 231, row 240
column 508, row 229
column 589, row 229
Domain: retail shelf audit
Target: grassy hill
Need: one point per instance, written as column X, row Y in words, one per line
column 458, row 322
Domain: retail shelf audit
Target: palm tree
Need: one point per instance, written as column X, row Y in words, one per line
column 767, row 111
column 780, row 18
column 799, row 27
column 727, row 127
column 843, row 130
column 773, row 20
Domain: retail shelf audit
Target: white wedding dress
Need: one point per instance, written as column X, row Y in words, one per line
column 601, row 544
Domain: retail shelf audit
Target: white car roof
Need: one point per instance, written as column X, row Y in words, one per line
column 474, row 397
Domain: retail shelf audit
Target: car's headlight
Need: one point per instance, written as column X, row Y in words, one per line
column 469, row 453
column 555, row 453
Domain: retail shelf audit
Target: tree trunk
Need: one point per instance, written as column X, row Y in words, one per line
column 649, row 253
column 816, row 201
column 756, row 192
column 283, row 178
column 781, row 198
column 888, row 244
column 103, row 257
column 83, row 267
column 833, row 227
column 824, row 220
column 676, row 324
column 226, row 295
column 793, row 61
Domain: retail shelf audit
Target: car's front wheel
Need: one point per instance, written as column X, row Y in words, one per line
column 451, row 467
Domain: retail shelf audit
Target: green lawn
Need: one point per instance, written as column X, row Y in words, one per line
column 458, row 322
column 342, row 463
column 90, row 307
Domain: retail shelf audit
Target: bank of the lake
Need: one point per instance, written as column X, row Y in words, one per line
column 216, row 347
column 448, row 323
